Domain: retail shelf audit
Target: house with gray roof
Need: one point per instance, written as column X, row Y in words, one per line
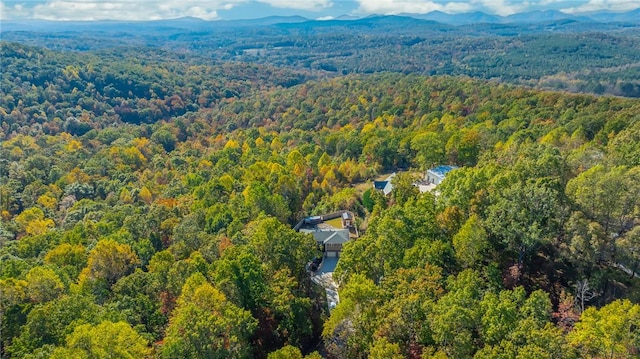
column 331, row 240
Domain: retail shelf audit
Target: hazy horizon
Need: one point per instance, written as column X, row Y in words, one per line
column 95, row 10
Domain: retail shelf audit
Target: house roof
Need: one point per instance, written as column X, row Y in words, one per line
column 338, row 237
column 329, row 236
column 385, row 186
column 441, row 171
column 379, row 184
column 388, row 188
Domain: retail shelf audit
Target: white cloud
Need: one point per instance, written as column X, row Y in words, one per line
column 311, row 5
column 87, row 10
column 140, row 9
column 208, row 9
column 500, row 7
column 611, row 5
column 13, row 11
column 410, row 6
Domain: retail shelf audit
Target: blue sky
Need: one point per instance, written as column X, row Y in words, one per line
column 315, row 9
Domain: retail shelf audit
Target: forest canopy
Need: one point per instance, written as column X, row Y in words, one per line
column 148, row 203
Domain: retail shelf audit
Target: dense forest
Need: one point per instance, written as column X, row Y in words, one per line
column 148, row 199
column 560, row 54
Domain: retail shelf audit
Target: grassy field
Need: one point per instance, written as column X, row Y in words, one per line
column 336, row 222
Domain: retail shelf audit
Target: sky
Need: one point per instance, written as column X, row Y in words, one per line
column 90, row 10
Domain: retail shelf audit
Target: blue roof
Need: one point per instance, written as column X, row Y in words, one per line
column 385, row 185
column 442, row 170
column 379, row 184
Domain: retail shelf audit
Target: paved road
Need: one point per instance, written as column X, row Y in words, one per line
column 324, row 277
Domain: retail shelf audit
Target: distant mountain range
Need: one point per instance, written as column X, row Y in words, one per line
column 472, row 18
column 478, row 17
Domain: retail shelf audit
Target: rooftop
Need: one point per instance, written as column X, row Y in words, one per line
column 442, row 170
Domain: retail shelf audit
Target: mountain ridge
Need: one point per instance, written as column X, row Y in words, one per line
column 475, row 17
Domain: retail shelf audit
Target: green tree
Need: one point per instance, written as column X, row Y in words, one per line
column 241, row 276
column 279, row 246
column 291, row 309
column 404, row 188
column 106, row 340
column 206, row 325
column 409, row 296
column 524, row 214
column 382, row 349
column 291, row 352
column 630, row 246
column 67, row 254
column 608, row 332
column 624, row 148
column 608, row 195
column 456, row 316
column 350, row 328
column 258, row 198
column 51, row 322
column 429, row 149
column 135, row 297
column 109, row 261
column 286, row 352
column 471, row 243
column 43, row 285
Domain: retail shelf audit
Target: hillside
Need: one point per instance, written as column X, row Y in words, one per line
column 148, row 201
column 543, row 49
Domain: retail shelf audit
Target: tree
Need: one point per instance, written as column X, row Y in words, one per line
column 51, row 322
column 528, row 340
column 500, row 315
column 106, row 340
column 291, row 352
column 136, row 298
column 382, row 349
column 403, row 187
column 165, row 137
column 350, row 328
column 43, row 285
column 630, row 246
column 608, row 332
column 290, row 307
column 608, row 195
column 456, row 316
column 286, row 352
column 279, row 246
column 206, row 325
column 624, row 148
column 410, row 295
column 524, row 214
column 471, row 243
column 258, row 198
column 109, row 261
column 241, row 276
column 33, row 221
column 587, row 242
column 67, row 254
column 430, row 149
column 584, row 293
